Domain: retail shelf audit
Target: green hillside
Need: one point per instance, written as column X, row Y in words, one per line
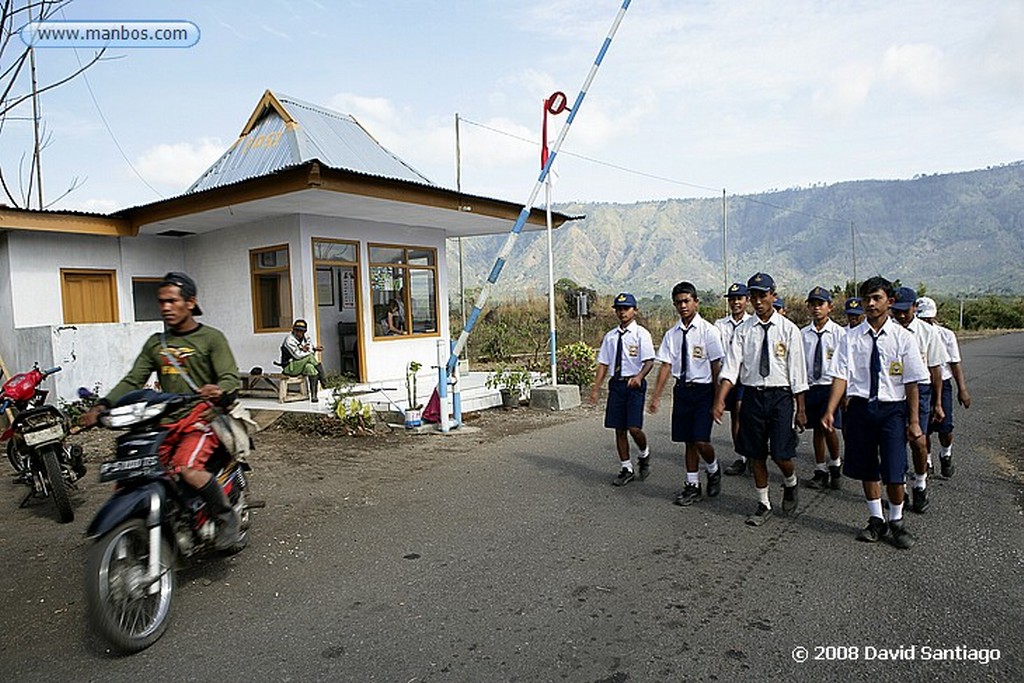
column 957, row 233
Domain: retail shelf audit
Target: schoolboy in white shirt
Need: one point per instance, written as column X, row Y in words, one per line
column 821, row 338
column 737, row 297
column 691, row 351
column 878, row 367
column 767, row 357
column 627, row 353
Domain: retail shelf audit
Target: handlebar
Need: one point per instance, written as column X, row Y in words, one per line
column 52, row 371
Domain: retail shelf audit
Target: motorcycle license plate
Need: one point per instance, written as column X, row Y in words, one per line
column 130, row 468
column 54, row 433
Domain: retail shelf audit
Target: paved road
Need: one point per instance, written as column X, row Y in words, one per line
column 521, row 562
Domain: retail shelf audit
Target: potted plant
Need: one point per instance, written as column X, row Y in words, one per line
column 513, row 382
column 413, row 416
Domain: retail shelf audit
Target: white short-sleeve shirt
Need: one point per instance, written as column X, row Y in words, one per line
column 898, row 354
column 637, row 348
column 831, row 335
column 703, row 346
column 785, row 355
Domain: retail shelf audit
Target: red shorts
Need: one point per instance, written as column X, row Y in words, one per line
column 190, row 441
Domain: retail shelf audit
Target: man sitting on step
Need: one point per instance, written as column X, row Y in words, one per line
column 298, row 357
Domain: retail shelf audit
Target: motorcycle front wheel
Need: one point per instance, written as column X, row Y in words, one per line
column 55, row 482
column 14, row 457
column 129, row 611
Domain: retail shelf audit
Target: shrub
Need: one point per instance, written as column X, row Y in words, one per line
column 514, row 378
column 577, row 364
column 356, row 416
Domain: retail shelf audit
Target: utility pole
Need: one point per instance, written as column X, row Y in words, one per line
column 37, row 161
column 458, row 189
column 853, row 250
column 725, row 227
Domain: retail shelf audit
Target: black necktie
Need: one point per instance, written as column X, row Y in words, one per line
column 684, row 359
column 876, row 365
column 618, row 356
column 817, row 356
column 766, row 365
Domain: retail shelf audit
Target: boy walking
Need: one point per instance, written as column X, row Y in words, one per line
column 691, row 351
column 878, row 367
column 767, row 357
column 627, row 353
column 821, row 339
column 951, row 371
column 737, row 296
column 934, row 355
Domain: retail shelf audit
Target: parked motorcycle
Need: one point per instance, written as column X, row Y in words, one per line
column 36, row 441
column 153, row 521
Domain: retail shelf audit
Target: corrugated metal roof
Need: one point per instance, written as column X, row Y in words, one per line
column 306, row 132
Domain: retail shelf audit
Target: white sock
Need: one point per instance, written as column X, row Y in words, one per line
column 712, row 466
column 741, row 458
column 693, row 477
column 895, row 512
column 762, row 497
column 790, row 481
column 922, row 481
column 835, row 462
column 821, row 467
column 947, row 451
column 626, row 464
column 646, row 453
column 875, row 508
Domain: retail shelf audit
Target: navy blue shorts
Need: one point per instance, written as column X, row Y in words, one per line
column 733, row 398
column 876, row 440
column 924, row 405
column 691, row 412
column 946, row 425
column 766, row 424
column 815, row 404
column 625, row 407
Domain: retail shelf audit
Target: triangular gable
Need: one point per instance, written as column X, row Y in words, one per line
column 283, row 131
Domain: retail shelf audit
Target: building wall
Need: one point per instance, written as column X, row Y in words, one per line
column 7, row 345
column 37, row 257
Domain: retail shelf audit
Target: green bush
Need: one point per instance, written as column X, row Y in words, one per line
column 577, row 364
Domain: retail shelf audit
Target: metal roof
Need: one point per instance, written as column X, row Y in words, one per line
column 284, row 132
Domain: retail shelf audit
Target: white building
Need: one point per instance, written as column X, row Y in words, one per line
column 305, row 216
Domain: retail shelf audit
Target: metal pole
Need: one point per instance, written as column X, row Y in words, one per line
column 510, row 241
column 551, row 285
column 853, row 250
column 725, row 260
column 458, row 188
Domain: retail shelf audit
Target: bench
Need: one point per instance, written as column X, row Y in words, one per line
column 274, row 384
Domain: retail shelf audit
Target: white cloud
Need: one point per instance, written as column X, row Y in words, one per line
column 919, row 67
column 846, row 92
column 180, row 163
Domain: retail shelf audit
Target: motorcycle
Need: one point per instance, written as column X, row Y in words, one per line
column 154, row 520
column 36, row 441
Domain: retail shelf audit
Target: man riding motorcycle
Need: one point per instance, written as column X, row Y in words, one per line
column 188, row 357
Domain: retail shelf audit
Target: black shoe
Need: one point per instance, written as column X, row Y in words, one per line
column 874, row 531
column 789, row 496
column 835, row 477
column 715, row 484
column 819, row 480
column 739, row 466
column 760, row 516
column 689, row 495
column 645, row 467
column 946, row 466
column 625, row 476
column 899, row 536
column 919, row 500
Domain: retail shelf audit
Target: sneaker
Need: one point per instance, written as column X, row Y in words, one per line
column 689, row 495
column 918, row 500
column 899, row 536
column 625, row 476
column 645, row 467
column 835, row 477
column 789, row 496
column 874, row 531
column 760, row 516
column 946, row 466
column 819, row 480
column 714, row 484
column 739, row 466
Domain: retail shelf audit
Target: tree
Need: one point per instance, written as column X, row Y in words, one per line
column 19, row 97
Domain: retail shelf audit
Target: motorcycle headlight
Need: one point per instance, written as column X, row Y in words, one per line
column 130, row 414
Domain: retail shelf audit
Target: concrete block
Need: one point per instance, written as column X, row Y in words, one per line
column 562, row 397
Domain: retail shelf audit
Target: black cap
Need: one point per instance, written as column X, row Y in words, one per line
column 187, row 286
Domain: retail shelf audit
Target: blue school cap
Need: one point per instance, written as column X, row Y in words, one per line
column 737, row 289
column 819, row 294
column 624, row 300
column 853, row 306
column 905, row 298
column 779, row 303
column 762, row 282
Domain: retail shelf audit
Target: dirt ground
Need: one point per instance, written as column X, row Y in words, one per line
column 292, row 447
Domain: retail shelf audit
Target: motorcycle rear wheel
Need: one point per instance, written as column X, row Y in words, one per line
column 55, row 482
column 120, row 605
column 14, row 457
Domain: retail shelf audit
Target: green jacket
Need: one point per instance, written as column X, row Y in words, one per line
column 203, row 353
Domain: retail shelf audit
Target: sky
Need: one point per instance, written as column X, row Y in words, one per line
column 692, row 98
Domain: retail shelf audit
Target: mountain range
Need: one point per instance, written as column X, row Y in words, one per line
column 957, row 233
